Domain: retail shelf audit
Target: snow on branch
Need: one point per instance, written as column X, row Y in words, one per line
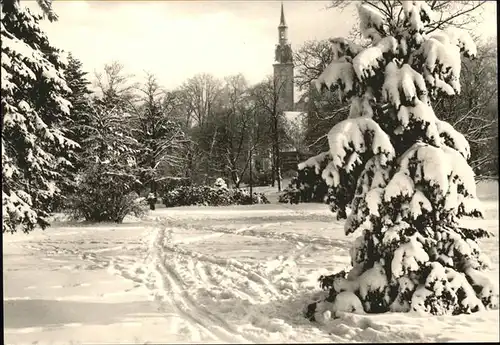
column 453, row 138
column 362, row 106
column 350, row 135
column 342, row 47
column 417, row 14
column 463, row 41
column 35, row 58
column 350, row 138
column 338, row 74
column 368, row 194
column 447, row 281
column 420, row 115
column 371, row 22
column 446, row 171
column 315, row 162
column 16, row 208
column 371, row 60
column 440, row 62
column 403, row 85
column 408, row 257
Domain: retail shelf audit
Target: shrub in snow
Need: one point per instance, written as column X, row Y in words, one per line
column 307, row 186
column 210, row 196
column 242, row 197
column 106, row 196
column 35, row 149
column 403, row 173
column 109, row 175
column 220, row 183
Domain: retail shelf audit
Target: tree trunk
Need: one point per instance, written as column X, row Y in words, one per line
column 273, row 165
column 277, row 154
column 251, row 175
column 234, row 177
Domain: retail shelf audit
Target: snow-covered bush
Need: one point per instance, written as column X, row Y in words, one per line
column 220, row 183
column 108, row 181
column 35, row 149
column 210, row 196
column 307, row 186
column 242, row 197
column 104, row 196
column 410, row 178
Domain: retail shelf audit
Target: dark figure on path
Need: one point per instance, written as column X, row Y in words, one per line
column 151, row 199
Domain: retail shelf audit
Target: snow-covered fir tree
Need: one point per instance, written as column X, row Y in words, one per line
column 80, row 98
column 34, row 145
column 402, row 172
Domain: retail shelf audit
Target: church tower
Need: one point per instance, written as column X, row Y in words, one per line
column 283, row 67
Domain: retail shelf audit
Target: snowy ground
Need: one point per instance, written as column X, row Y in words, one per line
column 203, row 274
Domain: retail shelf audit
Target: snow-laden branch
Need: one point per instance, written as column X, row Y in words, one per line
column 338, row 74
column 315, row 162
column 371, row 22
column 372, row 60
column 453, row 139
column 403, row 85
column 342, row 47
column 446, row 171
column 417, row 14
column 440, row 62
column 351, row 138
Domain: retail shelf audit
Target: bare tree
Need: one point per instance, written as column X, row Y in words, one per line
column 475, row 112
column 324, row 110
column 267, row 97
column 201, row 93
column 310, row 61
column 161, row 136
column 235, row 126
column 115, row 86
column 198, row 101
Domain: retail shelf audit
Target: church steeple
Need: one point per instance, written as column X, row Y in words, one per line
column 282, row 28
column 283, row 66
column 283, row 53
column 282, row 19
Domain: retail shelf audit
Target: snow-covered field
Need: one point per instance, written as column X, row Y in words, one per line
column 203, row 274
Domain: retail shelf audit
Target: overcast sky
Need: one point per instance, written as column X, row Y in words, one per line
column 177, row 39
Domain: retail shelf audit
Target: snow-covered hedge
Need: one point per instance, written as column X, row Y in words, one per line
column 403, row 173
column 210, row 196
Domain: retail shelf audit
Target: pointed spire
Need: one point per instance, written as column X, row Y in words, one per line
column 282, row 19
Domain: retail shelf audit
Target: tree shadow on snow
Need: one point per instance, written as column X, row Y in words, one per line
column 42, row 313
column 287, row 316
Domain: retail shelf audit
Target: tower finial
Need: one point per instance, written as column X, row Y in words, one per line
column 282, row 19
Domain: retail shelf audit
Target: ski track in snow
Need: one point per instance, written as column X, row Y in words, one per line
column 184, row 279
column 252, row 231
column 174, row 285
column 177, row 273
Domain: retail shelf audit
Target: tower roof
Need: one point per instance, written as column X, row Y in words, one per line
column 282, row 19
